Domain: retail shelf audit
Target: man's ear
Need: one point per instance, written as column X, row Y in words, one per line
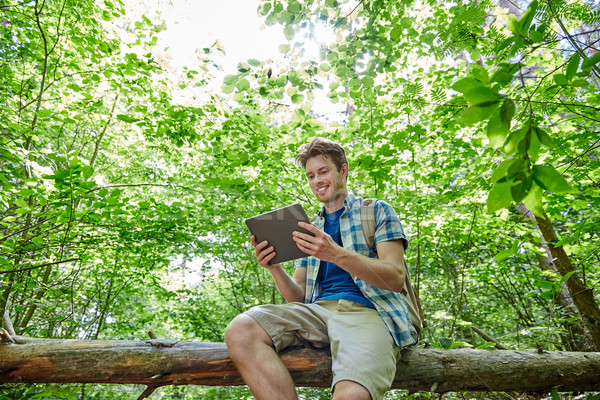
column 345, row 170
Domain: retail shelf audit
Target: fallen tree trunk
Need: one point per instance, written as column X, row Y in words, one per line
column 161, row 362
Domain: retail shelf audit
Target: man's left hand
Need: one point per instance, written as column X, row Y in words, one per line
column 321, row 245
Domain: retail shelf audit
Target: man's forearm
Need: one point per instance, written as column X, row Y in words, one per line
column 384, row 274
column 287, row 286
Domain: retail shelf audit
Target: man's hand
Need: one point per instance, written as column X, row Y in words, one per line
column 264, row 253
column 321, row 245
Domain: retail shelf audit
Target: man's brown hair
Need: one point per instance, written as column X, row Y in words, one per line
column 325, row 147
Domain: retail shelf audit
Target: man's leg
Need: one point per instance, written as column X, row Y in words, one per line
column 363, row 352
column 350, row 390
column 251, row 349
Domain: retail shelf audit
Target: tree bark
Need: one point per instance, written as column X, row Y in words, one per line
column 580, row 337
column 582, row 295
column 162, row 362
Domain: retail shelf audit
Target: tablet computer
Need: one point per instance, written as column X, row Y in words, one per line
column 277, row 228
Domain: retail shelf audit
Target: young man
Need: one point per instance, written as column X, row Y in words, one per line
column 343, row 295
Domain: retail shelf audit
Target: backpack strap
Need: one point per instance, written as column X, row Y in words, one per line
column 367, row 218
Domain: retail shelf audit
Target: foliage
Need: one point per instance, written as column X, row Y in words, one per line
column 122, row 207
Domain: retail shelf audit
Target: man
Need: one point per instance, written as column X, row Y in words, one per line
column 344, row 295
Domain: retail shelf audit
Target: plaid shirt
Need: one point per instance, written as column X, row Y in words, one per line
column 390, row 305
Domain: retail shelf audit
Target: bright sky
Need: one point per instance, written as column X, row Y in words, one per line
column 195, row 24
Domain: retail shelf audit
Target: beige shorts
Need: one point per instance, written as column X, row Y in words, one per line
column 362, row 348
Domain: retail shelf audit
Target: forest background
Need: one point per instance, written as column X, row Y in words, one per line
column 123, row 197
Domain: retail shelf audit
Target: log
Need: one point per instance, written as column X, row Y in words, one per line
column 157, row 362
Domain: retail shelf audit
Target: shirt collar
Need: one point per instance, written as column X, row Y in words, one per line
column 348, row 203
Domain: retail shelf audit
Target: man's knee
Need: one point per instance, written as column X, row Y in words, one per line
column 350, row 390
column 243, row 331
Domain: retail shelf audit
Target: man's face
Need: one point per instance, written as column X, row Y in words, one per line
column 326, row 182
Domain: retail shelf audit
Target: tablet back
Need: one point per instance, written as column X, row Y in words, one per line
column 276, row 227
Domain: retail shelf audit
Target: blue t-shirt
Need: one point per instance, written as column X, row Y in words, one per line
column 335, row 282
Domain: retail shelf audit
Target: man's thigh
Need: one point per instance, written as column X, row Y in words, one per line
column 362, row 348
column 292, row 324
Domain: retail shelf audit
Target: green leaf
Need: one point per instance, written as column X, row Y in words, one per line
column 476, row 114
column 230, row 80
column 21, row 203
column 227, row 89
column 496, row 131
column 521, row 187
column 445, row 342
column 294, row 7
column 396, row 32
column 499, row 197
column 561, row 79
column 548, row 178
column 481, row 96
column 254, row 62
column 480, row 74
column 367, row 82
column 325, row 67
column 297, row 98
column 589, row 63
column 502, row 170
column 126, row 118
column 533, row 200
column 527, row 17
column 515, row 138
column 536, row 36
column 243, row 84
column 513, row 25
column 579, row 83
column 544, row 284
column 87, row 172
column 573, row 66
column 534, row 146
column 289, row 32
column 505, row 43
column 566, row 277
column 504, row 254
column 544, row 138
column 466, row 84
column 507, row 111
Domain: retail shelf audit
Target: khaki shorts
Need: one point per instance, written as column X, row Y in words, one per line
column 362, row 348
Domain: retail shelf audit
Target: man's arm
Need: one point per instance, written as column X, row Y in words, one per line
column 291, row 288
column 385, row 272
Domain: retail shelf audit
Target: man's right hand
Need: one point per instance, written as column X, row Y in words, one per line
column 264, row 253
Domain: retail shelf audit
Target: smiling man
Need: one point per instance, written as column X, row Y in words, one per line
column 343, row 295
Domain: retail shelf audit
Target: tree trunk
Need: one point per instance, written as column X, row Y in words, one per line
column 580, row 337
column 161, row 362
column 582, row 295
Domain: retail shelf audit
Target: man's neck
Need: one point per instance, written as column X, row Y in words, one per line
column 336, row 203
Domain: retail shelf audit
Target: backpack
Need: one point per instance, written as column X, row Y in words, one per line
column 368, row 218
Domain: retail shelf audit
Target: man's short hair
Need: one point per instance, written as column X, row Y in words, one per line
column 325, row 147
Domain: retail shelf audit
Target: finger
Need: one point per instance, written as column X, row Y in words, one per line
column 260, row 246
column 309, row 227
column 269, row 257
column 264, row 254
column 303, row 236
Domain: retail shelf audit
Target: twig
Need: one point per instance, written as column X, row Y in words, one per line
column 347, row 15
column 149, row 390
column 40, row 266
column 488, row 338
column 7, row 332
